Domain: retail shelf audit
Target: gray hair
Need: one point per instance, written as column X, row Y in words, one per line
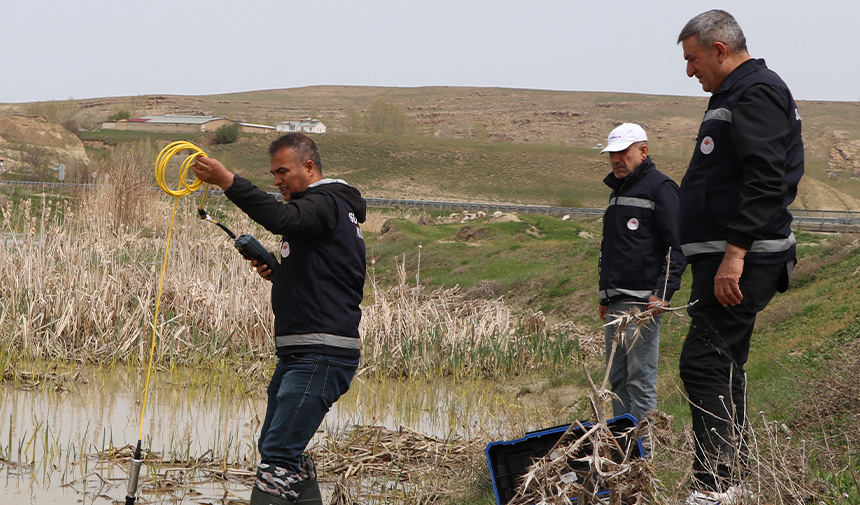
column 303, row 148
column 715, row 26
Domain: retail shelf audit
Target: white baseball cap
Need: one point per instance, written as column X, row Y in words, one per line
column 623, row 136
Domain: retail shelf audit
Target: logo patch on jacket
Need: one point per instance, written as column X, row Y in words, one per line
column 707, row 146
column 633, row 224
column 285, row 249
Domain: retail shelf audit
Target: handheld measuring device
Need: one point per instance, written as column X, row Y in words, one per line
column 247, row 245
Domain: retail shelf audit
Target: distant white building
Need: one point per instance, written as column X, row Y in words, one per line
column 306, row 125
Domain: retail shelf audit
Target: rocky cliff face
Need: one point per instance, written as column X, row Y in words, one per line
column 29, row 144
column 844, row 158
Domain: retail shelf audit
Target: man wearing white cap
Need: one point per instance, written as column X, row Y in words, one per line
column 640, row 264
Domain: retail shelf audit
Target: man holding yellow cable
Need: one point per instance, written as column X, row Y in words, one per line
column 316, row 292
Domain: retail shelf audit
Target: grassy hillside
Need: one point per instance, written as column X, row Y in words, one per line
column 481, row 133
column 430, row 168
column 804, row 352
column 542, row 263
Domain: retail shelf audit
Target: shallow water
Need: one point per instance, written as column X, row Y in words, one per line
column 50, row 431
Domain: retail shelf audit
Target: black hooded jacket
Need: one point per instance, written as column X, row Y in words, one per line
column 317, row 290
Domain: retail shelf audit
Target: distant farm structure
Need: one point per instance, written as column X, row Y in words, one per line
column 175, row 123
column 168, row 124
column 256, row 128
column 306, row 125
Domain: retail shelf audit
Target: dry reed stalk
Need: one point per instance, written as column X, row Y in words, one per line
column 175, row 472
column 596, row 460
column 592, row 464
column 638, row 319
column 408, row 329
column 78, row 283
column 373, row 461
column 342, row 494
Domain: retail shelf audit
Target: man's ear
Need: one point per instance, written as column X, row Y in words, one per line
column 310, row 166
column 644, row 150
column 721, row 51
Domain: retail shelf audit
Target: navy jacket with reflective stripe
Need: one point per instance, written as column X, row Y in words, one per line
column 744, row 171
column 639, row 226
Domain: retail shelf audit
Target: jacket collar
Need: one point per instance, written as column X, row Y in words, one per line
column 298, row 194
column 742, row 70
column 615, row 183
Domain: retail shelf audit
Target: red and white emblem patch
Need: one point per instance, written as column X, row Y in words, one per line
column 285, row 249
column 707, row 146
column 633, row 224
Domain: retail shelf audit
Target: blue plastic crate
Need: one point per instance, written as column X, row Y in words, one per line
column 509, row 460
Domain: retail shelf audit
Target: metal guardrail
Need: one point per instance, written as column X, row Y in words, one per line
column 826, row 220
column 804, row 219
column 826, row 216
column 46, row 184
column 485, row 207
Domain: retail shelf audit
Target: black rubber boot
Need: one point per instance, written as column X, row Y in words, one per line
column 309, row 493
column 260, row 497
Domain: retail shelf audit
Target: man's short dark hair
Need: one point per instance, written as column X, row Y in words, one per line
column 715, row 26
column 303, row 147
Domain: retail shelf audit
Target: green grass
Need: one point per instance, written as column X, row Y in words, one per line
column 133, row 136
column 523, row 257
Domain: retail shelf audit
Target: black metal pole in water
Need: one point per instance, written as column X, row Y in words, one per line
column 133, row 474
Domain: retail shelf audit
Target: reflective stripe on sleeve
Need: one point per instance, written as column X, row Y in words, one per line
column 318, row 339
column 630, row 201
column 721, row 114
column 758, row 246
column 606, row 294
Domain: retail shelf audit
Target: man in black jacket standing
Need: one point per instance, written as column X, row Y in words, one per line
column 316, row 292
column 640, row 265
column 736, row 233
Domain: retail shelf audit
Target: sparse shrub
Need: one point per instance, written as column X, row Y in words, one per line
column 227, row 134
column 383, row 118
column 71, row 124
column 354, row 121
column 117, row 116
column 35, row 156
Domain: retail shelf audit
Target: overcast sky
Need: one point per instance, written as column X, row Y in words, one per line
column 55, row 50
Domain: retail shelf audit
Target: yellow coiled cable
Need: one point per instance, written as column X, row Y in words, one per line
column 183, row 189
column 164, row 158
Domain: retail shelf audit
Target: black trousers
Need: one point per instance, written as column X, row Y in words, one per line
column 712, row 368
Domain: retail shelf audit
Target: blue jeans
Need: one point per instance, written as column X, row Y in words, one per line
column 302, row 390
column 633, row 373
